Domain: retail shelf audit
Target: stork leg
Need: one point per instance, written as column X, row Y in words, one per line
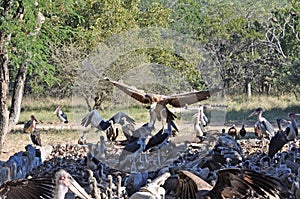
column 158, row 157
column 263, row 145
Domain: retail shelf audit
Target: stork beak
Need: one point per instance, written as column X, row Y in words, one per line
column 253, row 113
column 77, row 189
column 297, row 114
column 195, row 115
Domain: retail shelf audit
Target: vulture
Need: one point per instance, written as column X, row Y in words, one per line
column 61, row 115
column 94, row 118
column 42, row 187
column 34, row 188
column 232, row 131
column 231, row 183
column 243, row 131
column 158, row 103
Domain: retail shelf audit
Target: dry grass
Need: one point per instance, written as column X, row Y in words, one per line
column 54, row 132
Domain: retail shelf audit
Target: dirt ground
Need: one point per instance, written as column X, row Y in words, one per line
column 69, row 134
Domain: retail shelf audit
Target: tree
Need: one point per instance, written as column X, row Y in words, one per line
column 24, row 50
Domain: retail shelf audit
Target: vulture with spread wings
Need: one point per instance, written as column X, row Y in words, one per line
column 231, row 183
column 95, row 119
column 158, row 108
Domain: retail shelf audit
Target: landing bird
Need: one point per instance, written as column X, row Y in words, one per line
column 231, row 183
column 34, row 188
column 263, row 125
column 283, row 137
column 30, row 126
column 160, row 140
column 200, row 122
column 95, row 119
column 158, row 103
column 61, row 115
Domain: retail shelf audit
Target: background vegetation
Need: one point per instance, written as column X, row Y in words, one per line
column 254, row 46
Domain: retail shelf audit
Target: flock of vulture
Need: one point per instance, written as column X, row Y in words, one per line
column 215, row 167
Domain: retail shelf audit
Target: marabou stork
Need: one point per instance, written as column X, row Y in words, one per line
column 65, row 183
column 160, row 140
column 61, row 115
column 201, row 121
column 232, row 131
column 95, row 119
column 35, row 137
column 30, row 126
column 231, row 183
column 283, row 137
column 158, row 103
column 42, row 187
column 264, row 126
column 130, row 152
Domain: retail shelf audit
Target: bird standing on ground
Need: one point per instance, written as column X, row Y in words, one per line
column 35, row 138
column 200, row 122
column 158, row 103
column 243, row 131
column 232, row 131
column 61, row 115
column 30, row 126
column 95, row 119
column 112, row 132
column 159, row 140
column 283, row 137
column 264, row 126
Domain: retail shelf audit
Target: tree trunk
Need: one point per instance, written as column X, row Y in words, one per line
column 17, row 97
column 4, row 84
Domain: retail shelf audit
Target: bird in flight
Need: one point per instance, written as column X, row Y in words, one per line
column 158, row 103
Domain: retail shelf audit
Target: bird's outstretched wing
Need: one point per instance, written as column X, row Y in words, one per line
column 93, row 117
column 34, row 188
column 121, row 118
column 133, row 92
column 180, row 100
column 234, row 182
column 276, row 143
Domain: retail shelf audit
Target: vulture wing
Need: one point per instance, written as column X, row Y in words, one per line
column 133, row 92
column 93, row 117
column 189, row 184
column 234, row 183
column 180, row 100
column 119, row 118
column 33, row 188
